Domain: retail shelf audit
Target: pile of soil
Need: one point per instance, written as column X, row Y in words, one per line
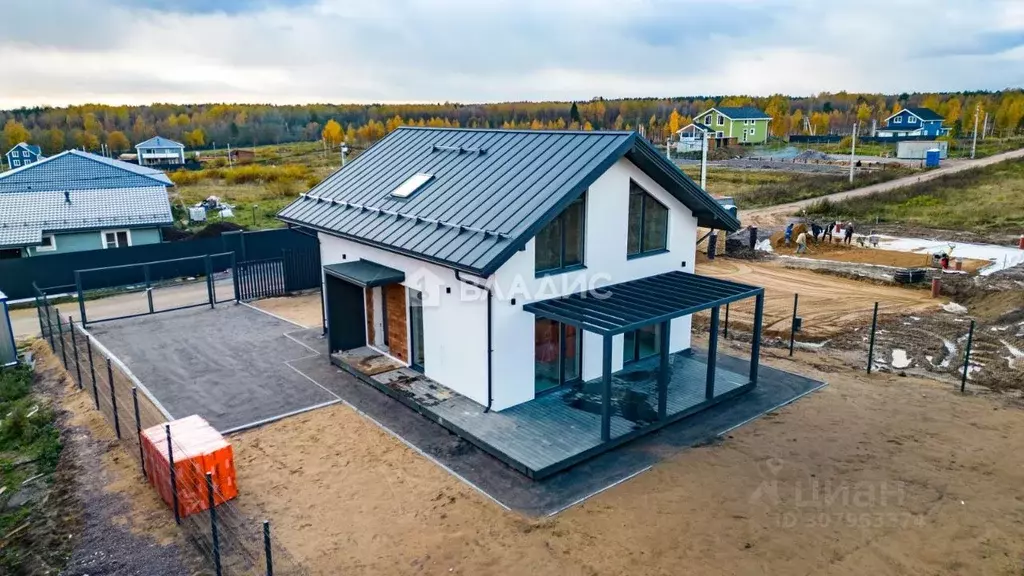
column 211, row 230
column 811, row 156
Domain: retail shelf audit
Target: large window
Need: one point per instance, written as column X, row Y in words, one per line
column 648, row 223
column 559, row 245
column 557, row 353
column 642, row 343
column 117, row 238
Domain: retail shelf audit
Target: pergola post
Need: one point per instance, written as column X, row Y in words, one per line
column 606, row 389
column 755, row 346
column 663, row 372
column 709, row 384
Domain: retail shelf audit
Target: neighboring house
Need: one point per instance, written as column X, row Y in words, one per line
column 241, row 155
column 53, row 222
column 913, row 122
column 80, row 201
column 690, row 138
column 413, row 228
column 158, row 150
column 746, row 124
column 23, row 154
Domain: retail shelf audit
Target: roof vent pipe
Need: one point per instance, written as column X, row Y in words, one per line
column 67, row 196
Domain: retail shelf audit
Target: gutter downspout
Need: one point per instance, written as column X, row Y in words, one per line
column 490, row 332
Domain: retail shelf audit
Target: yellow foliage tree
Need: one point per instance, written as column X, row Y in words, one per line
column 332, row 133
column 116, row 141
column 674, row 122
column 14, row 134
column 195, row 138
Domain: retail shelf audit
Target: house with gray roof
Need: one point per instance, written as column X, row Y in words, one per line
column 23, row 154
column 77, row 201
column 913, row 123
column 474, row 273
column 160, row 151
column 736, row 124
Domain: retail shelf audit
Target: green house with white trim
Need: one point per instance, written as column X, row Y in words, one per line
column 736, row 124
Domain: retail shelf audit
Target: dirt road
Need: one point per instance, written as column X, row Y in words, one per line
column 776, row 215
column 828, row 304
column 25, row 321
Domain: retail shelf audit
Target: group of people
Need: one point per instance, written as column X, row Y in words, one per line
column 833, row 230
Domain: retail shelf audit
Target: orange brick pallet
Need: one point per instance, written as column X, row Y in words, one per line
column 197, row 449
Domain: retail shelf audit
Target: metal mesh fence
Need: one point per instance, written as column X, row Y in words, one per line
column 945, row 345
column 232, row 542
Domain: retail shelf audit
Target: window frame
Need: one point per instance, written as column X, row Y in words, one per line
column 721, row 120
column 897, row 120
column 115, row 232
column 643, row 220
column 911, row 120
column 560, row 219
column 53, row 244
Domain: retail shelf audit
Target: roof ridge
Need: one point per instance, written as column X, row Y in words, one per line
column 516, row 130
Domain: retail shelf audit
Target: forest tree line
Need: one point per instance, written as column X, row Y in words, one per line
column 202, row 126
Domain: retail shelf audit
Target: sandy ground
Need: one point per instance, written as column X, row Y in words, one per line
column 828, row 304
column 885, row 475
column 844, row 253
column 304, row 309
column 776, row 215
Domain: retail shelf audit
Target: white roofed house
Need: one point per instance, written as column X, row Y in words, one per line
column 78, row 201
column 509, row 283
column 159, row 150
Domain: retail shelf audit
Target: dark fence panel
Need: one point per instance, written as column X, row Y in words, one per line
column 56, row 272
column 301, row 270
column 260, row 279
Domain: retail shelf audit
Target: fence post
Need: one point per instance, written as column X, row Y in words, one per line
column 209, row 281
column 138, row 428
column 92, row 372
column 74, row 347
column 967, row 358
column 113, row 399
column 60, row 333
column 149, row 288
column 174, row 481
column 234, row 276
column 39, row 314
column 726, row 331
column 266, row 548
column 213, row 522
column 81, row 297
column 49, row 327
column 871, row 340
column 792, row 327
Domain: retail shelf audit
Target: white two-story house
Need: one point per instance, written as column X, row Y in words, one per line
column 505, row 265
column 159, row 150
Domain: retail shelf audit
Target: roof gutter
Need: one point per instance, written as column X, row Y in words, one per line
column 490, row 338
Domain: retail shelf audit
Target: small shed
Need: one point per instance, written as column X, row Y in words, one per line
column 918, row 149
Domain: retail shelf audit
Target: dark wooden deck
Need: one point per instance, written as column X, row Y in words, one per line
column 562, row 427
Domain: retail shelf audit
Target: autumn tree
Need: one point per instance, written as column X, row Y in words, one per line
column 14, row 134
column 53, row 141
column 116, row 141
column 195, row 138
column 674, row 121
column 332, row 133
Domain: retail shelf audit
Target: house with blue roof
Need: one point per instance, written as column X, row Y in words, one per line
column 735, row 124
column 913, row 123
column 159, row 151
column 23, row 154
column 76, row 201
column 513, row 283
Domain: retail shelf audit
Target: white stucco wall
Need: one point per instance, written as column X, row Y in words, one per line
column 605, row 259
column 455, row 327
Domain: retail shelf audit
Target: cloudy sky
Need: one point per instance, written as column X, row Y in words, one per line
column 296, row 51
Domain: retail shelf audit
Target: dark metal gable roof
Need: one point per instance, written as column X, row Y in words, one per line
column 75, row 170
column 742, row 112
column 926, row 114
column 492, row 190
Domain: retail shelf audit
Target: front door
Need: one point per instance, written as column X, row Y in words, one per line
column 557, row 354
column 346, row 324
column 416, row 329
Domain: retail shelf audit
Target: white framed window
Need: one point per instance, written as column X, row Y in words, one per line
column 15, row 163
column 116, row 238
column 48, row 244
column 708, row 119
column 897, row 120
column 911, row 120
column 721, row 120
column 720, row 134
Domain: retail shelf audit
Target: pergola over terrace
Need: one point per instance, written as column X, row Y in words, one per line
column 656, row 300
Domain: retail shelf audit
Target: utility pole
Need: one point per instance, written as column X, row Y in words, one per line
column 853, row 150
column 704, row 160
column 229, row 155
column 974, row 143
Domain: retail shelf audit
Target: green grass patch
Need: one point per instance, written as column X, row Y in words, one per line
column 758, row 188
column 982, row 200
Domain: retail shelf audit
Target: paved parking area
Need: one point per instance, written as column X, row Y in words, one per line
column 230, row 365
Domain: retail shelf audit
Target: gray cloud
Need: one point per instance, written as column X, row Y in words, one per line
column 418, row 50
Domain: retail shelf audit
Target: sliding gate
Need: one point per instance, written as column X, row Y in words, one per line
column 293, row 271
